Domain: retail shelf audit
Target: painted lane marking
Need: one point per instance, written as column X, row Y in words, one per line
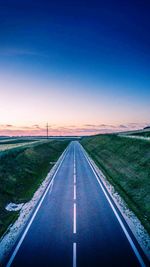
column 74, row 178
column 74, row 212
column 74, row 254
column 74, row 168
column 115, row 212
column 34, row 214
column 74, row 172
column 74, row 162
column 74, row 192
column 74, row 219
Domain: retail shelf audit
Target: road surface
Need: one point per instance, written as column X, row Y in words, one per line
column 76, row 224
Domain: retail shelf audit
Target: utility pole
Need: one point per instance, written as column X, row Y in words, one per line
column 47, row 130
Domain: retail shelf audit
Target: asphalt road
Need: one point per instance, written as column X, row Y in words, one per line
column 76, row 223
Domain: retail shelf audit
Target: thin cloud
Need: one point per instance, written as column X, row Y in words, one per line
column 20, row 52
column 123, row 126
column 9, row 125
column 100, row 125
column 89, row 129
column 3, row 126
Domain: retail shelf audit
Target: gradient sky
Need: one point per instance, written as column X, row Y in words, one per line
column 82, row 66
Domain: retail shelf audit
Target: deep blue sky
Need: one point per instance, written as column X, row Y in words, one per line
column 100, row 47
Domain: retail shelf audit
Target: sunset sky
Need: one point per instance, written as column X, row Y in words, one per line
column 81, row 66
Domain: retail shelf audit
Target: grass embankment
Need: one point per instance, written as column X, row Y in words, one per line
column 21, row 172
column 143, row 134
column 126, row 164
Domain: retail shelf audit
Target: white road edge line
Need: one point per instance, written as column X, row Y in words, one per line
column 74, row 219
column 115, row 212
column 74, row 254
column 34, row 214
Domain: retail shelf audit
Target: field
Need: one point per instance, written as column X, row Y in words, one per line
column 22, row 170
column 144, row 134
column 16, row 140
column 126, row 164
column 9, row 144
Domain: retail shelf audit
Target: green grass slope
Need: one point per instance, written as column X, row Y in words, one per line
column 144, row 134
column 21, row 172
column 126, row 164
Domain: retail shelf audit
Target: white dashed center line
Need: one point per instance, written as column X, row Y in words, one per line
column 74, row 254
column 74, row 219
column 74, row 178
column 74, row 212
column 74, row 192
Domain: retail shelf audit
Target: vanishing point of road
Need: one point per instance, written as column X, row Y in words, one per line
column 76, row 223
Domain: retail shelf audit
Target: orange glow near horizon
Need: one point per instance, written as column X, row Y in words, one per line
column 72, row 130
column 26, row 105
